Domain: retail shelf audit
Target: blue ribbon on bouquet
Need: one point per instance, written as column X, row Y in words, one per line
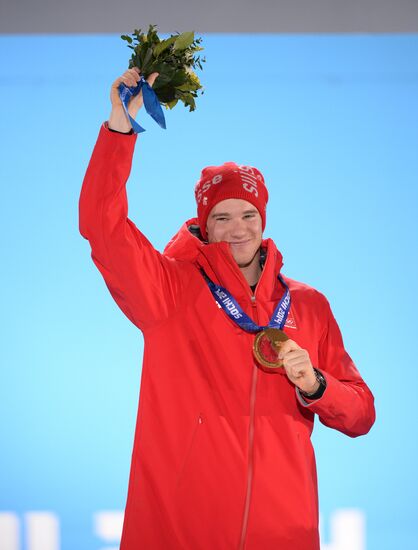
column 151, row 103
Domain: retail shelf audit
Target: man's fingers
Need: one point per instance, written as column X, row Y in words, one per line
column 298, row 366
column 131, row 77
column 288, row 345
column 299, row 360
column 152, row 78
column 134, row 75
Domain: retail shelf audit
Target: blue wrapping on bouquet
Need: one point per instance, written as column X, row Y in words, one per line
column 151, row 103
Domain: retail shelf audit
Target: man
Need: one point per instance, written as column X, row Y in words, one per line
column 222, row 456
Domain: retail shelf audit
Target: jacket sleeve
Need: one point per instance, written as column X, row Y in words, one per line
column 144, row 283
column 347, row 404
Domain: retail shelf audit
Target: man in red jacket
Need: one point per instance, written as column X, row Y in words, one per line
column 238, row 359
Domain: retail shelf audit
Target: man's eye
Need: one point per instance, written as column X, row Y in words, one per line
column 249, row 216
column 221, row 219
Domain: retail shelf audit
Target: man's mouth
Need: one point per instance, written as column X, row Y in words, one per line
column 239, row 243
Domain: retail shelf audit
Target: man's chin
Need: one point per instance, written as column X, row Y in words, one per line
column 244, row 262
column 245, row 259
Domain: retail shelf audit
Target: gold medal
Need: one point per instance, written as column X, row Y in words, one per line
column 267, row 346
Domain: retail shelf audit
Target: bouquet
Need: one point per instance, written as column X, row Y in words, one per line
column 174, row 58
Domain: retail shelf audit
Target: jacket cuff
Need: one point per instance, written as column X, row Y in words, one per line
column 333, row 398
column 106, row 125
column 104, row 129
column 307, row 401
column 108, row 141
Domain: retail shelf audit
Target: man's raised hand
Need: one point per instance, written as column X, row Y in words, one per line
column 118, row 119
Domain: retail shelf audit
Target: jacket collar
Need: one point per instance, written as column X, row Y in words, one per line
column 217, row 261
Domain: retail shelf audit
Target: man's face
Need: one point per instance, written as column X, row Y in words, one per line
column 237, row 222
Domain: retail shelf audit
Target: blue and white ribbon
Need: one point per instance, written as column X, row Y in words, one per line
column 231, row 307
column 151, row 103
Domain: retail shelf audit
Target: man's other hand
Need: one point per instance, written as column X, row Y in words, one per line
column 298, row 366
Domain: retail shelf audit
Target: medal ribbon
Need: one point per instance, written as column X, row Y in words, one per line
column 151, row 103
column 234, row 311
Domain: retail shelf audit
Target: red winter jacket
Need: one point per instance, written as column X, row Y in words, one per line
column 222, row 457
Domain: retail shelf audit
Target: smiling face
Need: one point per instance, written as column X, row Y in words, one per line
column 238, row 223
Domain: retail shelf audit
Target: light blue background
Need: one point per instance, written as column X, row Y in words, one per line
column 332, row 122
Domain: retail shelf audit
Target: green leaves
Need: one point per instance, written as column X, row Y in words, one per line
column 127, row 38
column 146, row 58
column 163, row 45
column 174, row 58
column 184, row 40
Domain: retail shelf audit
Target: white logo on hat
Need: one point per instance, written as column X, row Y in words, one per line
column 249, row 179
column 205, row 186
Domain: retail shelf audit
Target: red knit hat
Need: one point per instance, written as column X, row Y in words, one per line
column 229, row 181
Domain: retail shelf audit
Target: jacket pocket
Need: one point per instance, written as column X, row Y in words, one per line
column 190, row 446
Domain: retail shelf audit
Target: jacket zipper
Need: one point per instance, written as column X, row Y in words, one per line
column 250, row 431
column 250, row 446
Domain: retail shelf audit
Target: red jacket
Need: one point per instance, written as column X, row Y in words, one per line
column 222, row 457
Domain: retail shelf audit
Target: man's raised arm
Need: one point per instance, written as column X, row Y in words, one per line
column 144, row 283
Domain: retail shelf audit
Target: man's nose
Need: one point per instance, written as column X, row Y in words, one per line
column 238, row 227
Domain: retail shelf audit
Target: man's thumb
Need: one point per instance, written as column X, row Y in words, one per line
column 152, row 78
